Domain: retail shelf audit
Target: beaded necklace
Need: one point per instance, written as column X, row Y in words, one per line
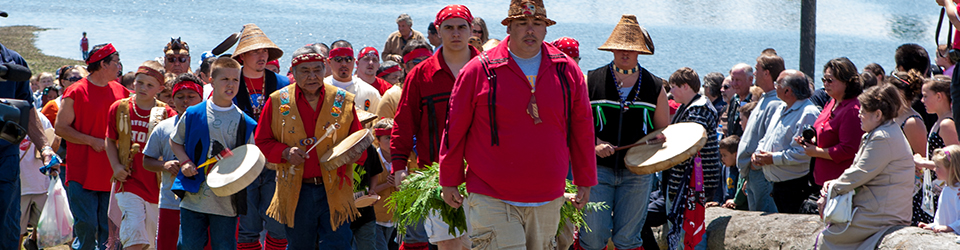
column 636, row 88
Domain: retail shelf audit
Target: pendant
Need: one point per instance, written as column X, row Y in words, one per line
column 533, row 111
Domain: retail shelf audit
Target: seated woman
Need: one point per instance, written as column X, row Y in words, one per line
column 881, row 175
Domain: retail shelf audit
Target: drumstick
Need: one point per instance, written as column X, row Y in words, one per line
column 630, row 146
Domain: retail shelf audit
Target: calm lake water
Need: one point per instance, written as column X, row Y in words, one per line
column 706, row 35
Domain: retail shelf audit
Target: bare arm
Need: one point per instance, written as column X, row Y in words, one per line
column 951, row 9
column 661, row 116
column 63, row 128
column 35, row 131
column 916, row 134
column 188, row 168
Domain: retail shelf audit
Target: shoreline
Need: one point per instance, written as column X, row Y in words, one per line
column 21, row 38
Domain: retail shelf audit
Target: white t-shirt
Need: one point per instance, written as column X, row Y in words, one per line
column 948, row 212
column 367, row 97
column 31, row 180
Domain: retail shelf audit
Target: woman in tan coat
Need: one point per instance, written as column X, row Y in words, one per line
column 881, row 175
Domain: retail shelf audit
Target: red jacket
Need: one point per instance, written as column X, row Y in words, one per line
column 510, row 157
column 422, row 111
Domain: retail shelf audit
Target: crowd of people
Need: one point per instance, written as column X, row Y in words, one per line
column 774, row 142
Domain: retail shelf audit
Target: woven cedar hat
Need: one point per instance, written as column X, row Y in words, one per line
column 629, row 36
column 527, row 8
column 252, row 38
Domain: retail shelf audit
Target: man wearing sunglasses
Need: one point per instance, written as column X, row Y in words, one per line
column 177, row 57
column 341, row 64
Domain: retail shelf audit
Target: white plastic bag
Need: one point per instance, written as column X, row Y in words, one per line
column 931, row 191
column 56, row 222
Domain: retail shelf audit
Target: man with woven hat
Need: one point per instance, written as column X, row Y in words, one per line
column 519, row 110
column 176, row 57
column 422, row 112
column 628, row 102
column 254, row 51
column 301, row 123
column 82, row 121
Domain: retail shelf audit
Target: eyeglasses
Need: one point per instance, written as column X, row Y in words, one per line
column 478, row 31
column 173, row 59
column 343, row 59
column 825, row 80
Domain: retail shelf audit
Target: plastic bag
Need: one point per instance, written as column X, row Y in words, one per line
column 56, row 222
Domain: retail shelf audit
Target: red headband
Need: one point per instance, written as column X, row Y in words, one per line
column 311, row 57
column 367, row 51
column 568, row 46
column 187, row 85
column 421, row 52
column 453, row 11
column 389, row 70
column 342, row 51
column 274, row 63
column 151, row 73
column 386, row 132
column 102, row 53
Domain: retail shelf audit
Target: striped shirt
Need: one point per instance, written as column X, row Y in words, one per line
column 702, row 112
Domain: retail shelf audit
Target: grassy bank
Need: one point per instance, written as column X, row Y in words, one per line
column 21, row 39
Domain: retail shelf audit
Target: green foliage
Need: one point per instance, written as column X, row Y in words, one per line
column 358, row 172
column 420, row 193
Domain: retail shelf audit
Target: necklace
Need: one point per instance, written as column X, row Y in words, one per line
column 626, row 72
column 135, row 109
column 636, row 88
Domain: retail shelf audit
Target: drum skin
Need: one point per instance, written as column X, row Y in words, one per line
column 349, row 149
column 235, row 173
column 683, row 140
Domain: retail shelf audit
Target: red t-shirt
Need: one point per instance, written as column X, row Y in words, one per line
column 255, row 88
column 91, row 104
column 141, row 182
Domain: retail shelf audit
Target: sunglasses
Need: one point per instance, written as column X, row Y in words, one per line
column 825, row 80
column 725, row 87
column 74, row 78
column 343, row 59
column 175, row 59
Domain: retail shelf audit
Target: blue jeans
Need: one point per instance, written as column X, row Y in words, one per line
column 313, row 225
column 89, row 210
column 365, row 237
column 195, row 225
column 259, row 194
column 628, row 195
column 758, row 192
column 383, row 236
column 9, row 196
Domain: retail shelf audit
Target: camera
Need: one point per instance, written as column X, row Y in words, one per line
column 808, row 134
column 14, row 117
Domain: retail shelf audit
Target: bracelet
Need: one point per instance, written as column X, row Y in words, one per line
column 187, row 161
column 45, row 148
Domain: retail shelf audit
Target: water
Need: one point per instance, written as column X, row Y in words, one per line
column 702, row 34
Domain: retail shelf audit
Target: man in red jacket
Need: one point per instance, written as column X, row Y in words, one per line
column 520, row 116
column 423, row 106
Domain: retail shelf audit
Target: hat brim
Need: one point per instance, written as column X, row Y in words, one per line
column 611, row 48
column 506, row 21
column 274, row 52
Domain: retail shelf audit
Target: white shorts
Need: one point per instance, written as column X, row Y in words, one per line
column 140, row 218
column 30, row 207
column 437, row 230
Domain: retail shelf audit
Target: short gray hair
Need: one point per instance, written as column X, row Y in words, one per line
column 405, row 18
column 746, row 68
column 798, row 85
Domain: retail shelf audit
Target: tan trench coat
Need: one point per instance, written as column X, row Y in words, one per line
column 882, row 175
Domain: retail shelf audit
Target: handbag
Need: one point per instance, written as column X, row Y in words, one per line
column 838, row 209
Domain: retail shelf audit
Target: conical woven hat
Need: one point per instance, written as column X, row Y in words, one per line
column 252, row 38
column 527, row 8
column 629, row 36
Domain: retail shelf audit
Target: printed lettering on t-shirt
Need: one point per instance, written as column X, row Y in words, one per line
column 532, row 79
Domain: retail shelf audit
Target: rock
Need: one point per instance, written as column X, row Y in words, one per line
column 734, row 229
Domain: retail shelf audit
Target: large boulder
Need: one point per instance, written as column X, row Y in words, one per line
column 734, row 229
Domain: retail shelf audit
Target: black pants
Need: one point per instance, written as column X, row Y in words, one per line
column 656, row 216
column 789, row 195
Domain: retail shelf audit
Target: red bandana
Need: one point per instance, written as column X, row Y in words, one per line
column 311, row 57
column 367, row 51
column 102, row 53
column 388, row 71
column 274, row 63
column 342, row 51
column 568, row 45
column 453, row 11
column 187, row 85
column 382, row 132
column 421, row 52
column 151, row 73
